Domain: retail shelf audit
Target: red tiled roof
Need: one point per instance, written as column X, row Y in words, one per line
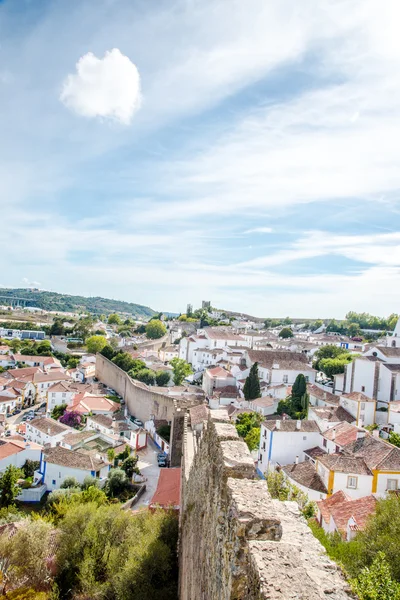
column 342, row 434
column 341, row 508
column 168, row 492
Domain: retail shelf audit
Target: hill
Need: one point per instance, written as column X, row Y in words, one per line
column 67, row 303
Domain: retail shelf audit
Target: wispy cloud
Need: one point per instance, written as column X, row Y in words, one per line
column 259, row 230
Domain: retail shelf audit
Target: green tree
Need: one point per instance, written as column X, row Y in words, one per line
column 353, row 329
column 58, row 411
column 375, row 582
column 70, row 482
column 162, row 378
column 286, row 332
column 8, row 485
column 111, row 455
column 29, row 467
column 146, row 376
column 252, row 439
column 108, row 352
column 73, row 362
column 334, row 366
column 57, row 327
column 245, row 422
column 89, row 481
column 155, row 329
column 181, row 369
column 165, row 432
column 114, row 319
column 251, row 388
column 116, row 483
column 328, row 352
column 96, row 343
column 125, row 361
column 129, row 466
column 394, row 438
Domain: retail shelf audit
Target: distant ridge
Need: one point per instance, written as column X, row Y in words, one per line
column 67, row 303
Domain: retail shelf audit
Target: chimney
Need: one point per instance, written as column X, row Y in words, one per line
column 375, row 433
column 48, row 431
column 297, row 460
column 277, row 424
column 359, row 423
column 333, row 435
column 298, row 425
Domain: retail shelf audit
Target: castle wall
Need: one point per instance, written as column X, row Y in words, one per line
column 236, row 542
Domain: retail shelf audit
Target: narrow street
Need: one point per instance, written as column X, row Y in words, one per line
column 149, row 468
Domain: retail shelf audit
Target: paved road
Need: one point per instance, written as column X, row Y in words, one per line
column 149, row 468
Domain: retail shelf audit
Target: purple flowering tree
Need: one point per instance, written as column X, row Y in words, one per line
column 71, row 418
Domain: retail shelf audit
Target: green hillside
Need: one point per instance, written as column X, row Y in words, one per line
column 64, row 302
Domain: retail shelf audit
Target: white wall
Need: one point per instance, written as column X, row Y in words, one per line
column 282, row 447
column 41, row 438
column 18, row 459
column 55, row 475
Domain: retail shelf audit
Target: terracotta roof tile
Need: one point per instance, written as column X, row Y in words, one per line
column 305, row 474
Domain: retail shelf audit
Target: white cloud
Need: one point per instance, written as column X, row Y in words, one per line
column 107, row 87
column 30, row 284
column 259, row 230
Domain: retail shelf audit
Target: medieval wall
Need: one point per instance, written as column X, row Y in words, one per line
column 236, row 542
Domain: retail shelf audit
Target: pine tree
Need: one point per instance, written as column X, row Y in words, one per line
column 299, row 396
column 251, row 387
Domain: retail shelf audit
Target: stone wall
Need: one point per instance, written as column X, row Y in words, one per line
column 236, row 542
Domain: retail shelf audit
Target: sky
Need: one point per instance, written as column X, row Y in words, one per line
column 169, row 152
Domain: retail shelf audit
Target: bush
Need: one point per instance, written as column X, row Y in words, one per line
column 165, row 432
column 70, row 482
column 117, row 483
column 29, row 467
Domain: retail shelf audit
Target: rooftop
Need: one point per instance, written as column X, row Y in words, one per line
column 292, row 425
column 296, row 361
column 341, row 508
column 377, row 453
column 168, row 492
column 358, row 396
column 198, row 414
column 70, row 458
column 305, row 474
column 342, row 434
column 333, row 413
column 341, row 463
column 48, row 426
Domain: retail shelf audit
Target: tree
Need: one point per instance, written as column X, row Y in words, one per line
column 108, row 352
column 111, row 455
column 57, row 327
column 285, row 333
column 162, row 378
column 116, row 483
column 252, row 439
column 69, row 482
column 29, row 467
column 299, row 398
column 146, row 376
column 334, row 366
column 96, row 343
column 181, row 369
column 114, row 319
column 375, row 582
column 394, row 438
column 328, row 352
column 164, row 431
column 27, row 554
column 58, row 411
column 73, row 362
column 129, row 466
column 251, row 388
column 124, row 361
column 9, row 486
column 353, row 329
column 89, row 481
column 71, row 418
column 155, row 329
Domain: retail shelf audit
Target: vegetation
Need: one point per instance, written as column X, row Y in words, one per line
column 251, row 388
column 280, row 488
column 359, row 556
column 29, row 467
column 394, row 438
column 101, row 552
column 155, row 329
column 296, row 405
column 285, row 333
column 71, row 418
column 331, row 359
column 58, row 411
column 66, row 303
column 96, row 343
column 164, row 431
column 248, row 427
column 146, row 376
column 162, row 378
column 8, row 485
column 127, row 363
column 181, row 369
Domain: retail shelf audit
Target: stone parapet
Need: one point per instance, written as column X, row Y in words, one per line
column 237, row 543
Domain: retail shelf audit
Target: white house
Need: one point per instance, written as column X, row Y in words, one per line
column 343, row 472
column 16, row 452
column 215, row 378
column 46, row 431
column 304, row 476
column 58, row 463
column 360, row 406
column 345, row 515
column 281, row 441
column 169, row 352
column 264, row 406
column 276, row 367
column 109, row 425
column 329, row 416
column 60, row 393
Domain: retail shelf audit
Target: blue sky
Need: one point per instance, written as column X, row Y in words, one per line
column 173, row 151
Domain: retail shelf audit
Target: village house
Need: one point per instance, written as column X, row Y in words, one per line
column 17, row 452
column 281, row 441
column 345, row 515
column 215, row 378
column 329, row 416
column 277, row 367
column 169, row 352
column 304, row 476
column 46, row 431
column 344, row 472
column 360, row 406
column 58, row 463
column 90, row 403
column 264, row 406
column 110, row 425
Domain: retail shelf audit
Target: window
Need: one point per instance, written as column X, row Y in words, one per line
column 53, row 394
column 285, row 379
column 59, row 475
column 64, row 395
column 260, row 459
column 53, row 482
column 304, row 437
column 337, row 449
column 324, row 443
column 363, row 388
column 263, row 446
column 362, row 405
column 307, row 378
column 392, row 484
column 352, row 482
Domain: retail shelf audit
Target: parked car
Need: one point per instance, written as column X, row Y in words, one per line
column 8, row 433
column 138, row 422
column 16, row 411
column 162, row 460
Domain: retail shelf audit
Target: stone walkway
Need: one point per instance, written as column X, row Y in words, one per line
column 149, row 468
